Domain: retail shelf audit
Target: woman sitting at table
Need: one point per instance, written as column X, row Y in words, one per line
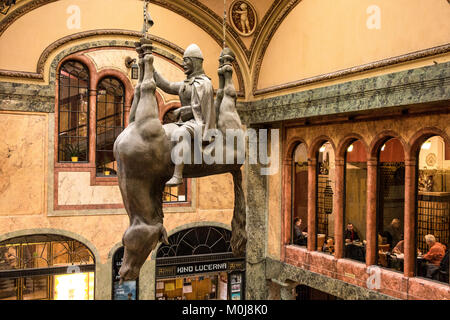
column 434, row 255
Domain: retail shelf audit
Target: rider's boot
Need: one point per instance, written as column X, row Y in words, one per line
column 177, row 178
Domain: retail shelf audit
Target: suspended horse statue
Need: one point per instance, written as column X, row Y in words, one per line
column 143, row 150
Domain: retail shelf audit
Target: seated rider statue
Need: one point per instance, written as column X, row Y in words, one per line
column 196, row 93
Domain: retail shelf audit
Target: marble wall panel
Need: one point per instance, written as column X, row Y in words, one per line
column 74, row 189
column 22, row 163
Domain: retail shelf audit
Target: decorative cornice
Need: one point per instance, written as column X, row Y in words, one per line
column 350, row 71
column 429, row 85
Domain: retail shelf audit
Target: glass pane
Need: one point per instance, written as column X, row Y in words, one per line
column 300, row 196
column 73, row 111
column 109, row 125
column 35, row 288
column 325, row 191
column 9, row 257
column 355, row 202
column 81, row 254
column 35, row 256
column 61, row 256
column 176, row 194
column 391, row 195
column 78, row 286
column 433, row 209
column 8, row 289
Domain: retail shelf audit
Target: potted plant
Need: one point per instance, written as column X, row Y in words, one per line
column 72, row 152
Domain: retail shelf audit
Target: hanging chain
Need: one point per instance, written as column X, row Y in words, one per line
column 145, row 26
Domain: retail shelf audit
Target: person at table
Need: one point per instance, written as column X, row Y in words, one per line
column 393, row 233
column 299, row 237
column 351, row 234
column 434, row 256
column 399, row 248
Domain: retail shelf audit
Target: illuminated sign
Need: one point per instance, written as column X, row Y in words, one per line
column 77, row 286
column 194, row 268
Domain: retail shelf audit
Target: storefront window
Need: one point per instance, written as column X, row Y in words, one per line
column 45, row 267
column 198, row 264
column 324, row 199
column 127, row 290
column 391, row 204
column 433, row 210
column 300, row 196
column 355, row 201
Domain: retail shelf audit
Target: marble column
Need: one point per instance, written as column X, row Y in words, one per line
column 312, row 181
column 338, row 203
column 256, row 185
column 371, row 221
column 409, row 225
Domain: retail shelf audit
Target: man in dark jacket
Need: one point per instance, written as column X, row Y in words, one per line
column 351, row 234
column 299, row 237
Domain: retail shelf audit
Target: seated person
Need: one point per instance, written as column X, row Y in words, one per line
column 351, row 234
column 399, row 248
column 299, row 237
column 434, row 256
column 393, row 233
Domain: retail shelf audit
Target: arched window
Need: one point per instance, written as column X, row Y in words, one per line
column 299, row 195
column 355, row 201
column 433, row 207
column 390, row 203
column 325, row 177
column 73, row 113
column 46, row 267
column 110, row 114
column 197, row 241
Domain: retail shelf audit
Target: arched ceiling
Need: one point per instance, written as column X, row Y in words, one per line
column 203, row 13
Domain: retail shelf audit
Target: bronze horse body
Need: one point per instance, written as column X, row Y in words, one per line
column 143, row 154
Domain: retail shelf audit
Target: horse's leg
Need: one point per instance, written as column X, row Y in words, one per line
column 146, row 227
column 137, row 90
column 239, row 235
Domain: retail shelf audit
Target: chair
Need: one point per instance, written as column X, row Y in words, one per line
column 320, row 241
column 383, row 259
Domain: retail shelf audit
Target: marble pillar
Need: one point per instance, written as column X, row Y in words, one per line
column 339, row 209
column 371, row 220
column 256, row 185
column 410, row 200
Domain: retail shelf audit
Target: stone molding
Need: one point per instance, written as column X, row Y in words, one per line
column 421, row 85
column 349, row 71
column 286, row 272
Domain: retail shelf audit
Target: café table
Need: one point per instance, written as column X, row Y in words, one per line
column 397, row 261
column 355, row 250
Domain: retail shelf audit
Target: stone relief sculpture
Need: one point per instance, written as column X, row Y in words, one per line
column 143, row 149
column 243, row 17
